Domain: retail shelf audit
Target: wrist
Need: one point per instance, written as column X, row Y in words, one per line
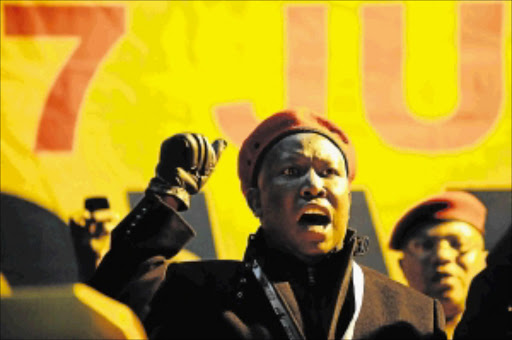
column 175, row 196
column 171, row 201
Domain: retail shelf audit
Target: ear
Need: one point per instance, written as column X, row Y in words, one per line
column 254, row 201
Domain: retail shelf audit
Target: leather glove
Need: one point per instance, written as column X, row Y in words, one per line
column 186, row 162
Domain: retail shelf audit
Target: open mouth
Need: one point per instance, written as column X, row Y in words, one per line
column 314, row 219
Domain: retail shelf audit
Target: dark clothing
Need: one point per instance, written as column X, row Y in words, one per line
column 488, row 313
column 223, row 299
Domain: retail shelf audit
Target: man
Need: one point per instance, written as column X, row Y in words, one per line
column 298, row 279
column 90, row 231
column 489, row 304
column 442, row 242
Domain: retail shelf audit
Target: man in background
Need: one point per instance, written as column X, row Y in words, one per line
column 90, row 231
column 442, row 243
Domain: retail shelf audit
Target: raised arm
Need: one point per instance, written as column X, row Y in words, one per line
column 153, row 231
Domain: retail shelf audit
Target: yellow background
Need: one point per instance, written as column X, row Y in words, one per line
column 178, row 60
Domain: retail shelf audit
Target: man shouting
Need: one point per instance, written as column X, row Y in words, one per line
column 298, row 278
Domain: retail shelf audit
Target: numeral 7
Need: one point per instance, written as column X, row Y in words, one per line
column 98, row 28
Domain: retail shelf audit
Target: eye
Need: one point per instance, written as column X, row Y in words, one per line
column 461, row 246
column 455, row 244
column 290, row 171
column 330, row 172
column 427, row 244
column 417, row 247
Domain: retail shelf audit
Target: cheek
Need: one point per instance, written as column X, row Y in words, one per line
column 341, row 204
column 276, row 204
column 472, row 262
column 340, row 186
column 339, row 195
column 413, row 269
column 280, row 195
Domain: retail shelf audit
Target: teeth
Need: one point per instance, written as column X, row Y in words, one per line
column 316, row 228
column 315, row 211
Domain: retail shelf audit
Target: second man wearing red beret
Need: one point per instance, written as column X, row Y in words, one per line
column 442, row 245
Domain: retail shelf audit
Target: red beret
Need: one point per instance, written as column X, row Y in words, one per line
column 450, row 205
column 283, row 124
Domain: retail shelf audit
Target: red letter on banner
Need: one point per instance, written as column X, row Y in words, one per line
column 236, row 121
column 305, row 71
column 480, row 74
column 98, row 29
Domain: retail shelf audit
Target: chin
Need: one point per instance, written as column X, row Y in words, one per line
column 319, row 249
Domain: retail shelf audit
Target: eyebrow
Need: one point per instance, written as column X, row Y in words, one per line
column 294, row 155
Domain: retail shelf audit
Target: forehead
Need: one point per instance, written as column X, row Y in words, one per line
column 305, row 144
column 460, row 229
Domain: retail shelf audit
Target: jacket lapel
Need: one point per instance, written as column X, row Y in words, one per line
column 286, row 295
column 340, row 300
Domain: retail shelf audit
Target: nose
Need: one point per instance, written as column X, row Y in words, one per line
column 313, row 186
column 443, row 253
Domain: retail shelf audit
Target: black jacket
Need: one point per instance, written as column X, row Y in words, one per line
column 222, row 299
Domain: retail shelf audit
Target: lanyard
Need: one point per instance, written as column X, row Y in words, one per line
column 277, row 305
column 282, row 314
column 358, row 281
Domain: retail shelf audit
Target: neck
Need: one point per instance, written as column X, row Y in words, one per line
column 309, row 260
column 261, row 240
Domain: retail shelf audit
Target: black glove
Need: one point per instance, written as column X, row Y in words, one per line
column 186, row 162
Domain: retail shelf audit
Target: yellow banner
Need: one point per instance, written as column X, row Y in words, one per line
column 90, row 89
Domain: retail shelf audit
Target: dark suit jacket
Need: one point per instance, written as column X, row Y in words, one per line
column 488, row 313
column 223, row 299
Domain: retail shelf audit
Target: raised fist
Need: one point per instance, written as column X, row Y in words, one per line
column 186, row 162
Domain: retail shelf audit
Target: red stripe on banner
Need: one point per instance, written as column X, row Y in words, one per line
column 236, row 121
column 98, row 29
column 306, row 72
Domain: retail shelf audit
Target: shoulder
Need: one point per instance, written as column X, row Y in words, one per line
column 388, row 289
column 391, row 306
